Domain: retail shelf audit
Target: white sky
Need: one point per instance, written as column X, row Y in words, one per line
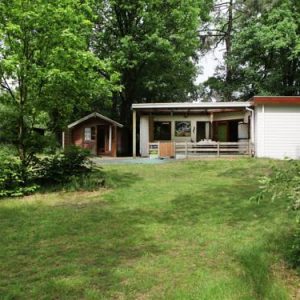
column 209, row 62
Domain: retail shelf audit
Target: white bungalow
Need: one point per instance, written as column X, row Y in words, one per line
column 263, row 126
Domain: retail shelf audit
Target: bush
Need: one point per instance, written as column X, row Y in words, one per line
column 12, row 180
column 7, row 150
column 284, row 183
column 61, row 168
column 70, row 170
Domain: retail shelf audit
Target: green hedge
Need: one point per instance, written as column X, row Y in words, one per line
column 12, row 181
column 71, row 166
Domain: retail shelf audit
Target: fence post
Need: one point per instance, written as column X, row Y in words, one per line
column 249, row 148
column 186, row 149
column 218, row 149
column 174, row 149
column 158, row 149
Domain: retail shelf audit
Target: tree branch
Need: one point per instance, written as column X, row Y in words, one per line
column 7, row 88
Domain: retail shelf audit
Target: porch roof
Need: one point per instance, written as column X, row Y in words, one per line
column 95, row 115
column 190, row 106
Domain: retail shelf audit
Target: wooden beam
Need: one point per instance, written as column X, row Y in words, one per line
column 134, row 134
column 211, row 125
column 110, row 138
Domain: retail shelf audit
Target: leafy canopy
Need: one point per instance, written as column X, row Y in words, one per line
column 46, row 69
column 153, row 45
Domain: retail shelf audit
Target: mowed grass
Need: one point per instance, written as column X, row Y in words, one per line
column 182, row 230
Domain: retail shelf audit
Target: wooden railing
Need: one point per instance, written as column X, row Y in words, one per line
column 214, row 148
column 190, row 149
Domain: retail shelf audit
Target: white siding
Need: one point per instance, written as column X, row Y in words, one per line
column 277, row 131
column 144, row 135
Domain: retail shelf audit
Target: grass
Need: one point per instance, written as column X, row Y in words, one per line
column 183, row 230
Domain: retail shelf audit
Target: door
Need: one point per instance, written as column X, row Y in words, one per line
column 201, row 131
column 101, row 132
column 222, row 131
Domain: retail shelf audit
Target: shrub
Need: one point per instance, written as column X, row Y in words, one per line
column 62, row 167
column 12, row 180
column 284, row 183
column 68, row 170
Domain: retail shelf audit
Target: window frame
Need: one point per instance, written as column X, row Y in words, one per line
column 87, row 134
column 189, row 133
column 155, row 131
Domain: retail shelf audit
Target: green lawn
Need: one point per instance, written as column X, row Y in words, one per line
column 182, row 230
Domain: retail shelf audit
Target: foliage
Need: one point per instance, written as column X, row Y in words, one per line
column 12, row 182
column 63, row 167
column 47, row 73
column 7, row 150
column 264, row 53
column 284, row 184
column 69, row 170
column 153, row 45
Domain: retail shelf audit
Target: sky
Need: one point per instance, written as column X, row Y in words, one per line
column 209, row 62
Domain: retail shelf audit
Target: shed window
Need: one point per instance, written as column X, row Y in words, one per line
column 162, row 131
column 89, row 133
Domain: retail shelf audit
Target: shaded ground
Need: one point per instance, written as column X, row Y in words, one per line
column 183, row 230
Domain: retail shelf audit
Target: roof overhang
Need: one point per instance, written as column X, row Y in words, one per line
column 196, row 107
column 94, row 115
column 276, row 100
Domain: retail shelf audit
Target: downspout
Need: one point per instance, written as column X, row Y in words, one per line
column 252, row 137
column 252, row 123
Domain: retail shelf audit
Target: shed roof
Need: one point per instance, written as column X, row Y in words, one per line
column 290, row 100
column 95, row 115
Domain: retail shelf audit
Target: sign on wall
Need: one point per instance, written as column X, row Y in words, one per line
column 182, row 128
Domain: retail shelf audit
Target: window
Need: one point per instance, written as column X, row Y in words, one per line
column 162, row 131
column 89, row 133
column 182, row 128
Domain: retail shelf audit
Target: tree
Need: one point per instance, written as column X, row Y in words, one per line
column 153, row 45
column 46, row 69
column 266, row 52
column 261, row 49
column 216, row 32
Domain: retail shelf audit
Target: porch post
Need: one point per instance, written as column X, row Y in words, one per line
column 211, row 125
column 109, row 138
column 63, row 140
column 134, row 134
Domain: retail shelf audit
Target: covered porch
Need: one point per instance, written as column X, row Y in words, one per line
column 216, row 128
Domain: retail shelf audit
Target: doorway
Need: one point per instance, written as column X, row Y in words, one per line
column 201, row 131
column 101, row 134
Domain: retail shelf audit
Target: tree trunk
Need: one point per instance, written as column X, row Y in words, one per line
column 228, row 36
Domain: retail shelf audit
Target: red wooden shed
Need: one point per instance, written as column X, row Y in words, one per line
column 100, row 134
